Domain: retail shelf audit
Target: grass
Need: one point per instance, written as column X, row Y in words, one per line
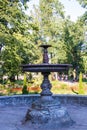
column 61, row 87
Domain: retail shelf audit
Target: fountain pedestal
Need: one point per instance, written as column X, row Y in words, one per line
column 48, row 113
column 46, row 110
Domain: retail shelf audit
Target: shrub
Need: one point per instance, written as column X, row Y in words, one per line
column 81, row 88
column 24, row 90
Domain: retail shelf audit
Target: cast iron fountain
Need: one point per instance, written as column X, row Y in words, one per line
column 46, row 110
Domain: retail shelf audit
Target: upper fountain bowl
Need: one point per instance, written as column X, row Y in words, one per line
column 46, row 67
column 45, row 46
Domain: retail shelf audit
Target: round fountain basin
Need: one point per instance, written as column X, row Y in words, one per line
column 14, row 108
column 46, row 67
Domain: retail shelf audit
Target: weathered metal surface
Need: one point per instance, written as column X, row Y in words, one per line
column 45, row 54
column 46, row 110
column 46, row 67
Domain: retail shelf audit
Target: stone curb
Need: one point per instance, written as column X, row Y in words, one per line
column 28, row 99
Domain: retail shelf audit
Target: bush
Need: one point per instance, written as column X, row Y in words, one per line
column 24, row 90
column 81, row 89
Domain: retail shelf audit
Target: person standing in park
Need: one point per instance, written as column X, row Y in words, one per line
column 74, row 75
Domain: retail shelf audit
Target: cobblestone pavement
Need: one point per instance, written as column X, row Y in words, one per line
column 11, row 118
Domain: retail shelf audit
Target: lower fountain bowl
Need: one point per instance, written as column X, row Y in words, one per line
column 14, row 108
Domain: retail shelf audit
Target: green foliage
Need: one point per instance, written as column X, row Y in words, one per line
column 83, row 21
column 83, row 3
column 65, row 36
column 17, row 44
column 24, row 90
column 81, row 87
column 19, row 82
column 49, row 17
column 73, row 42
column 20, row 35
column 25, row 80
column 10, row 22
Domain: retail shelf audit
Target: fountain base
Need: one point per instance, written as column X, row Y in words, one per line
column 48, row 112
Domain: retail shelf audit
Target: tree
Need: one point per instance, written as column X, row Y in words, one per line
column 83, row 20
column 49, row 17
column 65, row 36
column 73, row 41
column 83, row 3
column 17, row 47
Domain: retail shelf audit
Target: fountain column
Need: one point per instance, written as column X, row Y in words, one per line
column 46, row 85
